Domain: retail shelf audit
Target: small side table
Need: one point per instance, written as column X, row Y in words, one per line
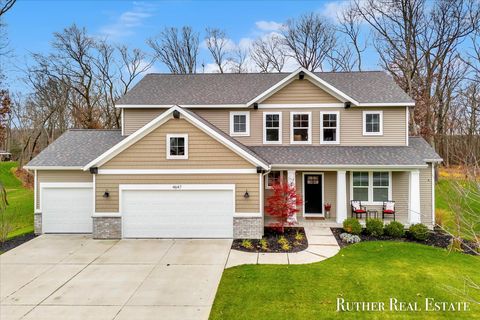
column 371, row 213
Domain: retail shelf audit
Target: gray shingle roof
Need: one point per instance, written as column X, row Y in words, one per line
column 416, row 153
column 76, row 148
column 234, row 88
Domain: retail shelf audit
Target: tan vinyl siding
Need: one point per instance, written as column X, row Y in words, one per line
column 203, row 151
column 134, row 119
column 351, row 125
column 243, row 182
column 301, row 91
column 400, row 185
column 60, row 176
column 426, row 195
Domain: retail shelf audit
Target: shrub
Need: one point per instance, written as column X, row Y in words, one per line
column 299, row 236
column 418, row 231
column 286, row 247
column 441, row 216
column 351, row 225
column 455, row 245
column 374, row 227
column 349, row 238
column 284, row 244
column 395, row 229
column 247, row 244
column 264, row 244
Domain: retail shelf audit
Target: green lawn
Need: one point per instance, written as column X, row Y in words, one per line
column 368, row 271
column 20, row 209
column 447, row 196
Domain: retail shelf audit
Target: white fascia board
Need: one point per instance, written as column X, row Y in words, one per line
column 65, row 185
column 131, row 139
column 51, row 168
column 247, row 215
column 347, row 167
column 176, row 171
column 433, row 160
column 299, row 106
column 176, row 187
column 106, row 215
column 157, row 122
column 190, row 106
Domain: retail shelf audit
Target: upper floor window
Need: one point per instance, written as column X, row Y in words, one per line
column 239, row 123
column 330, row 127
column 272, row 127
column 371, row 187
column 372, row 123
column 273, row 177
column 301, row 128
column 177, row 146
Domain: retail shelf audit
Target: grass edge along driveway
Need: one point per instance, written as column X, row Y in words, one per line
column 368, row 271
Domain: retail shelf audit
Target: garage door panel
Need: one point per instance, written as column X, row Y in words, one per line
column 177, row 214
column 67, row 210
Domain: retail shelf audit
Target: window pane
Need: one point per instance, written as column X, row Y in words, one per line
column 300, row 134
column 300, row 120
column 360, row 194
column 360, row 179
column 273, row 177
column 372, row 122
column 272, row 135
column 380, row 194
column 272, row 121
column 239, row 123
column 329, row 120
column 177, row 146
column 329, row 134
column 380, row 179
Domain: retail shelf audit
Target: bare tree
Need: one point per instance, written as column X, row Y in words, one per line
column 238, row 60
column 268, row 53
column 309, row 39
column 349, row 26
column 6, row 5
column 178, row 50
column 217, row 43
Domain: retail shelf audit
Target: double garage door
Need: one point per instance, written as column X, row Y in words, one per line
column 148, row 211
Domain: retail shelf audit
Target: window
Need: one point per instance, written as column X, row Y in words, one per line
column 177, row 146
column 240, row 123
column 272, row 127
column 372, row 123
column 273, row 177
column 300, row 124
column 371, row 187
column 329, row 127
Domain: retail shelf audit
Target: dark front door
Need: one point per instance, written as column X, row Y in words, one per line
column 312, row 186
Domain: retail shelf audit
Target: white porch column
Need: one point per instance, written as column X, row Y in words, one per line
column 414, row 198
column 341, row 196
column 291, row 177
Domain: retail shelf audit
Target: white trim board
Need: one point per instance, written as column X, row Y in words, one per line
column 157, row 122
column 347, row 167
column 337, row 127
column 232, row 114
column 299, row 105
column 280, row 123
column 176, row 171
column 292, row 114
column 190, row 106
column 168, row 148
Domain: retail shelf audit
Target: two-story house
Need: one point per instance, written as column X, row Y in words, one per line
column 197, row 154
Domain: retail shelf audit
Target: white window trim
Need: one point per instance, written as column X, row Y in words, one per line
column 337, row 132
column 280, row 124
column 247, row 124
column 309, row 141
column 370, row 201
column 176, row 135
column 266, row 178
column 364, row 120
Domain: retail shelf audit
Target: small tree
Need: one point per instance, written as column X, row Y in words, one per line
column 283, row 205
column 4, row 225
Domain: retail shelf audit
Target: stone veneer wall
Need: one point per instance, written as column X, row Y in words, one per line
column 247, row 228
column 107, row 228
column 37, row 223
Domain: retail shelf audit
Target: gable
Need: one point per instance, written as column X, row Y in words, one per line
column 301, row 91
column 203, row 151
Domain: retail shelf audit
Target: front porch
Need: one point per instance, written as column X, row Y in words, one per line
column 411, row 189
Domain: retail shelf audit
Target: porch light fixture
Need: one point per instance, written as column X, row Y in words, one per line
column 301, row 75
column 176, row 114
column 246, row 195
column 106, row 194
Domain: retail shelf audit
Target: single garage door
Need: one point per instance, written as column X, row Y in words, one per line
column 66, row 207
column 178, row 211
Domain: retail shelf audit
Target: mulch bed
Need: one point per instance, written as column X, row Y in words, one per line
column 436, row 238
column 15, row 242
column 272, row 236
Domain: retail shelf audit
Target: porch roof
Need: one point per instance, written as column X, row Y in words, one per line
column 418, row 153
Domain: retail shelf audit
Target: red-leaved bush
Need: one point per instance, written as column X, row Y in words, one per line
column 283, row 205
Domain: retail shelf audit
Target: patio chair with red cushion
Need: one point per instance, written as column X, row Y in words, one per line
column 357, row 208
column 388, row 209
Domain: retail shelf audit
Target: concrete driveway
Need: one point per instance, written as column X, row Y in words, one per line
column 75, row 277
